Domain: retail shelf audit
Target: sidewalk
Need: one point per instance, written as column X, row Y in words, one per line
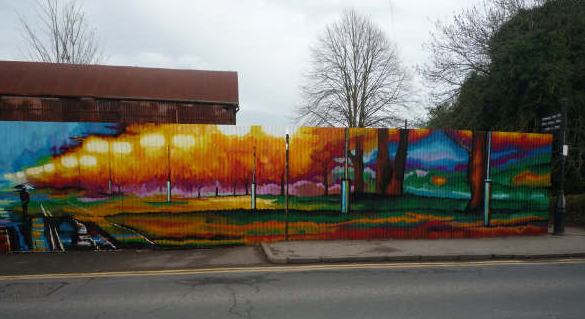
column 34, row 263
column 572, row 244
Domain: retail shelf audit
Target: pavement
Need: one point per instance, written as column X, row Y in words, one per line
column 571, row 244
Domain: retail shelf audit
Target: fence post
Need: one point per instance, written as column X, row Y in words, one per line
column 286, row 190
column 345, row 187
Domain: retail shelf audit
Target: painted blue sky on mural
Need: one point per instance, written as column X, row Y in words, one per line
column 29, row 141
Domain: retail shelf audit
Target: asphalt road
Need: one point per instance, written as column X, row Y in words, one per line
column 545, row 289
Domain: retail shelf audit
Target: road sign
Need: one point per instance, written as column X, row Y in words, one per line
column 552, row 123
column 552, row 117
column 551, row 128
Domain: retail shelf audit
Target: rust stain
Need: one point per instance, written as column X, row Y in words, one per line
column 117, row 82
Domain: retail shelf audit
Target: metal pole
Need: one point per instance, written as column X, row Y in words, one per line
column 488, row 183
column 110, row 169
column 345, row 188
column 346, row 176
column 79, row 173
column 559, row 227
column 286, row 192
column 253, row 204
column 169, row 173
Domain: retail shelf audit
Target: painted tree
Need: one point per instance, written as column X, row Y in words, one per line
column 246, row 183
column 476, row 166
column 396, row 185
column 390, row 174
column 383, row 167
column 324, row 159
column 476, row 172
column 357, row 158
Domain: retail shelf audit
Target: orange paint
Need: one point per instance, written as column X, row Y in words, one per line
column 439, row 180
column 529, row 178
column 417, row 135
column 531, row 140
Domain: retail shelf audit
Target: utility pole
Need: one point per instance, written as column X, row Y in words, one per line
column 559, row 228
column 553, row 123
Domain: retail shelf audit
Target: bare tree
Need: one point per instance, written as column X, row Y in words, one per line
column 462, row 46
column 60, row 34
column 356, row 78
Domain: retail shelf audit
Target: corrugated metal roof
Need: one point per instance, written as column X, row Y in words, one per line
column 118, row 82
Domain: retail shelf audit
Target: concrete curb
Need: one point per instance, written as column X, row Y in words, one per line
column 406, row 258
column 270, row 255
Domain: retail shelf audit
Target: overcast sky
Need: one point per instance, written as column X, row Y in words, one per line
column 266, row 41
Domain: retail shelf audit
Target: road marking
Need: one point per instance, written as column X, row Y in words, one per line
column 301, row 268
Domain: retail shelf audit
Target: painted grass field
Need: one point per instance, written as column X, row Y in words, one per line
column 132, row 221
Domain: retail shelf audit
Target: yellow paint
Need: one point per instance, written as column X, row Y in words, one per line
column 69, row 161
column 34, row 170
column 296, row 268
column 141, row 205
column 97, row 146
column 88, row 160
column 183, row 141
column 121, row 147
column 152, row 140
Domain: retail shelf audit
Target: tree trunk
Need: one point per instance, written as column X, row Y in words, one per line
column 383, row 167
column 396, row 185
column 216, row 191
column 235, row 185
column 199, row 192
column 246, row 186
column 476, row 170
column 358, row 165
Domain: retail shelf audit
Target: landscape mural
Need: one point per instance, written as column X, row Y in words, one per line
column 71, row 186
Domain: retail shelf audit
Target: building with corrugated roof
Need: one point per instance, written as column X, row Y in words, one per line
column 35, row 91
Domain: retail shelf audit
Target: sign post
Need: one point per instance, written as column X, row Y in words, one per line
column 550, row 124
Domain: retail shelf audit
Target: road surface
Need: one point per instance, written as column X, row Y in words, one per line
column 543, row 289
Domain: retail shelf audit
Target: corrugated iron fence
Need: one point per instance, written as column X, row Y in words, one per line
column 61, row 109
column 105, row 186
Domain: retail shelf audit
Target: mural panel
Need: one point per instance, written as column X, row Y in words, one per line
column 68, row 186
